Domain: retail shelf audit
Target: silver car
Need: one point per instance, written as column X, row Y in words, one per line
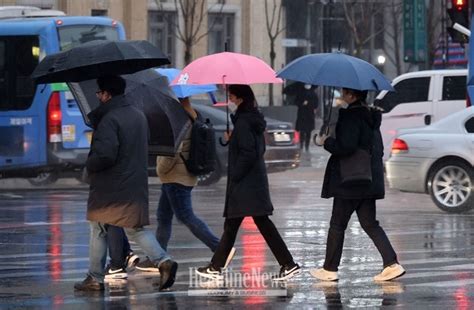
column 438, row 160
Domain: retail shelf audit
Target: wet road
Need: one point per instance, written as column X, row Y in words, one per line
column 44, row 250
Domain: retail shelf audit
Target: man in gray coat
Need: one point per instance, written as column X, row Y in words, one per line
column 118, row 196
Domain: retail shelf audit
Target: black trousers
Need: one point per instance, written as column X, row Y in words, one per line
column 342, row 210
column 305, row 138
column 268, row 231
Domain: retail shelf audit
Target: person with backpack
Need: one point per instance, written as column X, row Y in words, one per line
column 357, row 128
column 178, row 183
column 247, row 187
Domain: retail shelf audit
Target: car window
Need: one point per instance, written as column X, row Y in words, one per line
column 470, row 125
column 406, row 91
column 454, row 88
column 19, row 55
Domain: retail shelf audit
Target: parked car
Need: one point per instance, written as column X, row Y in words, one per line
column 437, row 159
column 421, row 98
column 282, row 145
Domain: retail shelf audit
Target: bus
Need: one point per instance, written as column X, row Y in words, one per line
column 42, row 132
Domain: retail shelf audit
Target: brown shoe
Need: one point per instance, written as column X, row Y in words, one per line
column 89, row 284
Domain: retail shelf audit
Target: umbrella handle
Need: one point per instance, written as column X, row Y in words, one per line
column 221, row 142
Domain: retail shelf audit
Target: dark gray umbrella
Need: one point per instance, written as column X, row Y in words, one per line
column 93, row 59
column 149, row 91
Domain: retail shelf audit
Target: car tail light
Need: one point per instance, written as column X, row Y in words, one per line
column 399, row 146
column 54, row 118
column 296, row 137
column 468, row 101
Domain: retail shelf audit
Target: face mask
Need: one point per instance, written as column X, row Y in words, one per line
column 232, row 106
column 307, row 86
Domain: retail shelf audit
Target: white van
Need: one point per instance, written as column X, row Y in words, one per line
column 420, row 98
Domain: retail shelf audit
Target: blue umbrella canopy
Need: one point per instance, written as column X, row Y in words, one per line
column 182, row 91
column 337, row 70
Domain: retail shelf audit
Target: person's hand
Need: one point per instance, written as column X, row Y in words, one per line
column 320, row 139
column 227, row 135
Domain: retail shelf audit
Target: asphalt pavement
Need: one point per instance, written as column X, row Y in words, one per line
column 44, row 250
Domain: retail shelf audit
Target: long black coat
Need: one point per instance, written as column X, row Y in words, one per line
column 307, row 102
column 357, row 127
column 117, row 165
column 247, row 183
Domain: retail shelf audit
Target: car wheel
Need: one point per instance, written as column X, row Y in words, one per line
column 451, row 186
column 44, row 178
column 210, row 178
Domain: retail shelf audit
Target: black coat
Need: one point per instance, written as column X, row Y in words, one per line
column 117, row 165
column 247, row 183
column 357, row 127
column 307, row 102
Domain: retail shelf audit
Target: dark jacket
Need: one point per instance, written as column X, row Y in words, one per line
column 117, row 165
column 247, row 183
column 307, row 102
column 357, row 127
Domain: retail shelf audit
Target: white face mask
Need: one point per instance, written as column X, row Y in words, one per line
column 307, row 86
column 232, row 106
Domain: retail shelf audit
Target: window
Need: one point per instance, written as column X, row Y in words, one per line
column 18, row 58
column 406, row 91
column 221, row 31
column 470, row 125
column 161, row 29
column 72, row 36
column 454, row 88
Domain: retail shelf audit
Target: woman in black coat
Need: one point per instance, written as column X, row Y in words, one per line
column 247, row 187
column 358, row 127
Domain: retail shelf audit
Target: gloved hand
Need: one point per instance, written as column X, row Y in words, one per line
column 320, row 138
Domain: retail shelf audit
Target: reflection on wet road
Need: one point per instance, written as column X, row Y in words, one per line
column 44, row 250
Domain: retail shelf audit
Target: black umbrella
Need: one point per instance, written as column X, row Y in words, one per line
column 149, row 91
column 93, row 59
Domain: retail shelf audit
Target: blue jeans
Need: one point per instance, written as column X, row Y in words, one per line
column 176, row 200
column 98, row 247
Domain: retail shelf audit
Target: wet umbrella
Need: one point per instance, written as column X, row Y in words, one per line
column 149, row 91
column 93, row 59
column 337, row 70
column 182, row 91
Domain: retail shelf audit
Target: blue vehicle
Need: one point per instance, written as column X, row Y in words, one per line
column 42, row 132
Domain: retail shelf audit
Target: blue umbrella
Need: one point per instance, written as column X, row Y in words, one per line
column 337, row 70
column 182, row 91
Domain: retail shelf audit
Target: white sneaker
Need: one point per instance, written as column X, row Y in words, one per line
column 390, row 272
column 324, row 275
column 229, row 257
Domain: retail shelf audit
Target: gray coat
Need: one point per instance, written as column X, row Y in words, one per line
column 117, row 165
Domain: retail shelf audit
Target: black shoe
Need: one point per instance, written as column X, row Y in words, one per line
column 210, row 272
column 89, row 284
column 168, row 270
column 287, row 272
column 131, row 260
column 147, row 265
column 115, row 273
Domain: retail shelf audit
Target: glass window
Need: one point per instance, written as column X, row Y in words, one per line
column 161, row 30
column 454, row 88
column 470, row 125
column 406, row 91
column 72, row 36
column 19, row 56
column 221, row 31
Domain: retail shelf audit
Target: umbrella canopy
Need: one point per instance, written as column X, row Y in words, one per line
column 226, row 68
column 149, row 91
column 335, row 69
column 93, row 59
column 182, row 91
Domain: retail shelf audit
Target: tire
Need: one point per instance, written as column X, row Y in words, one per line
column 451, row 186
column 210, row 178
column 44, row 178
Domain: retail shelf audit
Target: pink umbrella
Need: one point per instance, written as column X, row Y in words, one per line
column 227, row 68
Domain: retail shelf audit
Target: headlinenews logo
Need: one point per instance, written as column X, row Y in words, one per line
column 237, row 284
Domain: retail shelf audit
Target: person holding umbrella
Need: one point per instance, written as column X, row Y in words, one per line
column 358, row 127
column 247, row 187
column 117, row 168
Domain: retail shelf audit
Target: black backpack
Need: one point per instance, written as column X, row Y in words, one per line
column 202, row 153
